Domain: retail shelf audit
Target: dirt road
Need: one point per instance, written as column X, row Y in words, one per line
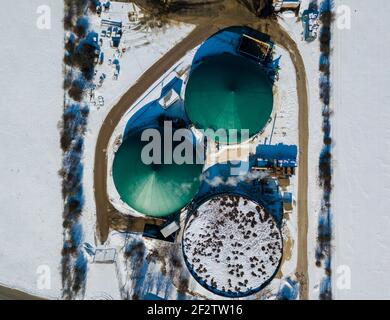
column 107, row 215
column 13, row 294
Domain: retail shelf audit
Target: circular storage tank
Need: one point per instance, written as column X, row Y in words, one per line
column 156, row 190
column 229, row 92
column 232, row 246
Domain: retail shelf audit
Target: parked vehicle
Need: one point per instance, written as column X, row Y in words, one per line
column 109, row 32
column 101, row 101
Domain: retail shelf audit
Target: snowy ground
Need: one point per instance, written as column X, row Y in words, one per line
column 362, row 152
column 284, row 129
column 310, row 53
column 30, row 190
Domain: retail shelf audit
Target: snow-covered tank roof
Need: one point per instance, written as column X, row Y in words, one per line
column 232, row 246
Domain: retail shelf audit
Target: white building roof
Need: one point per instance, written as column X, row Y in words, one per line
column 169, row 99
column 105, row 255
column 169, row 229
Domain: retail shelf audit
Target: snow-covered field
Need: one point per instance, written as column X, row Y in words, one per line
column 30, row 188
column 362, row 153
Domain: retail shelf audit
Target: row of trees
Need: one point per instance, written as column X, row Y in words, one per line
column 81, row 49
column 74, row 262
column 78, row 71
column 323, row 250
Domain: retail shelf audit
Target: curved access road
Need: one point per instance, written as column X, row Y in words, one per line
column 108, row 217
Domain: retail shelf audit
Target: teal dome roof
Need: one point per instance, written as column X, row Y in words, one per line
column 156, row 190
column 229, row 92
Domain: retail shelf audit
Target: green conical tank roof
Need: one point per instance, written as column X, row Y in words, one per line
column 229, row 92
column 156, row 190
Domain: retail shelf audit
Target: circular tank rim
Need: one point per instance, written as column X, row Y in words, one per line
column 121, row 205
column 199, row 64
column 200, row 281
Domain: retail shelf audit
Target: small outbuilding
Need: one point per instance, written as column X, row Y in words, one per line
column 105, row 255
